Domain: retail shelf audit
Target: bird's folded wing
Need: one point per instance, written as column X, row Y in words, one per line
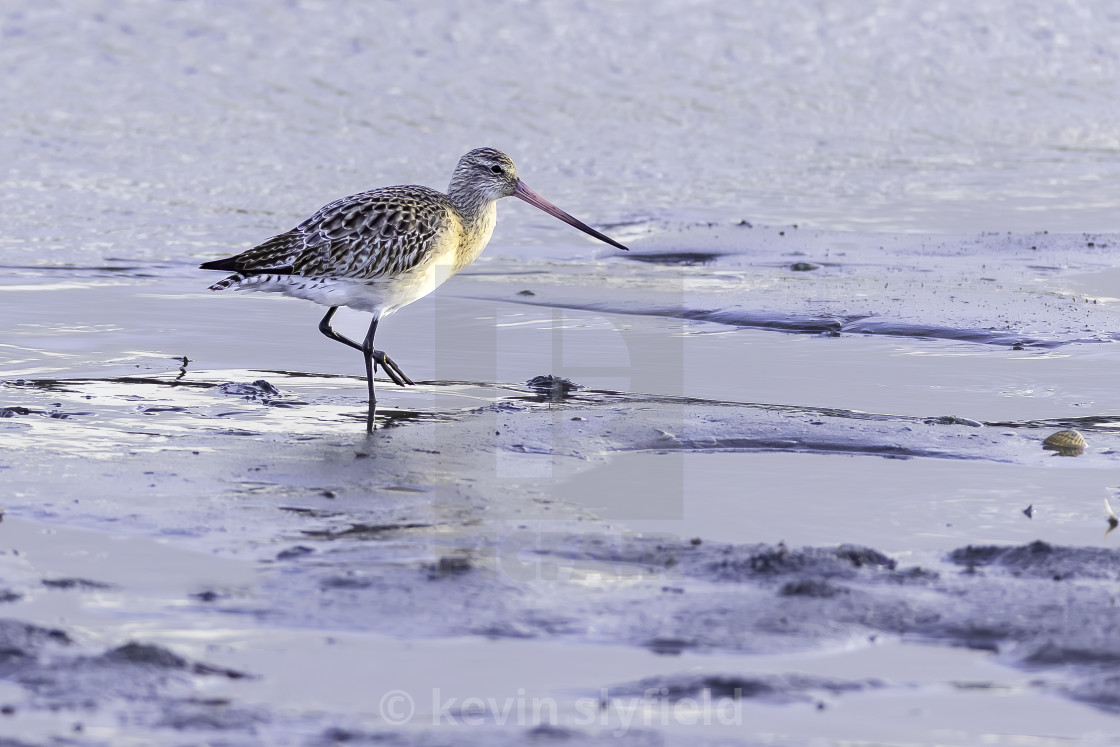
column 383, row 232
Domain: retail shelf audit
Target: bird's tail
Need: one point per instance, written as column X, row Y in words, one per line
column 229, row 282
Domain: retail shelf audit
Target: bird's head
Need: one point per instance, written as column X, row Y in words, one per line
column 486, row 173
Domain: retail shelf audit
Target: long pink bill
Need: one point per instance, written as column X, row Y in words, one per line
column 534, row 199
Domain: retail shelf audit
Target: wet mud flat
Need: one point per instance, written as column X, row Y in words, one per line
column 767, row 512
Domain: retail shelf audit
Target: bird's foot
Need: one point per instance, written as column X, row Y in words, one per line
column 391, row 369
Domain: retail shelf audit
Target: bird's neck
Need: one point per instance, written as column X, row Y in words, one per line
column 478, row 211
column 467, row 198
column 477, row 229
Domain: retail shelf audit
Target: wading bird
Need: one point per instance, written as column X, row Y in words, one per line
column 380, row 250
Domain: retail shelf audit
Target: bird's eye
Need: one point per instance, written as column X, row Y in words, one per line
column 496, row 169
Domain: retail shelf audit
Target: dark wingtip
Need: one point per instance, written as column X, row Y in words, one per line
column 228, row 264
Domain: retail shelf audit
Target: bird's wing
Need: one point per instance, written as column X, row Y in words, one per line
column 382, row 232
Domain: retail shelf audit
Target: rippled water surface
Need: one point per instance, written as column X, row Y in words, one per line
column 169, row 129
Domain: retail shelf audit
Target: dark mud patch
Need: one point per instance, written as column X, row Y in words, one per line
column 674, row 259
column 20, row 640
column 932, row 332
column 812, row 588
column 789, row 688
column 144, row 683
column 11, row 412
column 491, row 734
column 211, row 715
column 955, row 420
column 1105, row 423
column 296, row 551
column 45, row 385
column 739, row 563
column 82, row 584
column 781, row 322
column 392, row 417
column 129, row 269
column 142, row 654
column 259, row 389
column 553, row 388
column 835, row 325
column 362, row 531
column 1041, row 560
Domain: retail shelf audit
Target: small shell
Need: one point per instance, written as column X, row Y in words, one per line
column 1066, row 443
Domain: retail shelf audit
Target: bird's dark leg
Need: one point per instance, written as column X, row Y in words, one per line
column 388, row 365
column 326, row 328
column 367, row 353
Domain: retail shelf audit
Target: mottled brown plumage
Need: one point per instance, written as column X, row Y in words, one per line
column 382, row 249
column 382, row 232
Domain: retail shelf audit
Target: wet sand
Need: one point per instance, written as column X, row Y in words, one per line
column 802, row 526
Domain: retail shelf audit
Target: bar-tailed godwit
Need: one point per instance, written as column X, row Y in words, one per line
column 380, row 250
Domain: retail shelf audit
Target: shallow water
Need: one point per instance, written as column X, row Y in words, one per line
column 188, row 129
column 873, row 268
